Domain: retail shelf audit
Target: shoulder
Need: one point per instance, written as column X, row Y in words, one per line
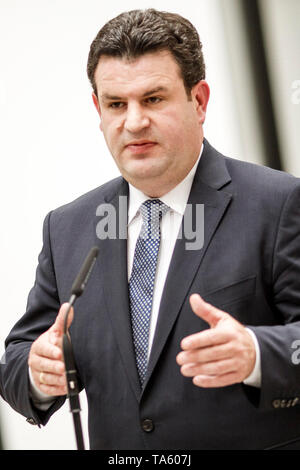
column 244, row 180
column 86, row 204
column 253, row 177
column 264, row 192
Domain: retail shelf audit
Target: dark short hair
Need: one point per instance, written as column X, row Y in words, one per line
column 138, row 32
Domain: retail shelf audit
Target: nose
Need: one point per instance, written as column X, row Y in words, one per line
column 136, row 118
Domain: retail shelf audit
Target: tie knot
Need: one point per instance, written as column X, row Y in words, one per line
column 152, row 211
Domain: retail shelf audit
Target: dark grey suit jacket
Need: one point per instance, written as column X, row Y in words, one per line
column 249, row 266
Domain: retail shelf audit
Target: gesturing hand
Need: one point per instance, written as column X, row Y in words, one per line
column 219, row 356
column 46, row 357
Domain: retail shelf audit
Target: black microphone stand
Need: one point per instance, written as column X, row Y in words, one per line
column 72, row 382
column 71, row 373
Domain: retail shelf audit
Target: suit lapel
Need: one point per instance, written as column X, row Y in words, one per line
column 113, row 264
column 211, row 175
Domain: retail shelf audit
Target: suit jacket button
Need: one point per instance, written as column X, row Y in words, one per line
column 295, row 401
column 147, row 425
column 276, row 403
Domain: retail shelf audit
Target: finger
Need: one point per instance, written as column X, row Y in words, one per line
column 206, row 338
column 55, row 338
column 52, row 390
column 206, row 311
column 43, row 364
column 45, row 349
column 52, row 379
column 207, row 381
column 215, row 368
column 206, row 354
column 58, row 327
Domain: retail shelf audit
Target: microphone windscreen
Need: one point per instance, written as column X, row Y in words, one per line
column 84, row 273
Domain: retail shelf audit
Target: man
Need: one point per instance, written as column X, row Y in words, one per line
column 195, row 349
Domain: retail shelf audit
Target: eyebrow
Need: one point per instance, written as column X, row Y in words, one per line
column 106, row 96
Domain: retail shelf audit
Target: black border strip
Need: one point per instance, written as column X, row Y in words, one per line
column 257, row 54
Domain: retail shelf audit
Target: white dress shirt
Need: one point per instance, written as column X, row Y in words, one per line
column 176, row 200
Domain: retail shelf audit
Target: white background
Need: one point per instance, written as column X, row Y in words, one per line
column 52, row 150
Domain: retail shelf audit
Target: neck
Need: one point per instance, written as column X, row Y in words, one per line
column 158, row 187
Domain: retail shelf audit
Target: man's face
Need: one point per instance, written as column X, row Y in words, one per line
column 151, row 127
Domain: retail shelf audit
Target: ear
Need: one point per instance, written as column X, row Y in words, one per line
column 200, row 95
column 97, row 106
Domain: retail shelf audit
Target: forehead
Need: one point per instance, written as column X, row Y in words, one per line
column 148, row 71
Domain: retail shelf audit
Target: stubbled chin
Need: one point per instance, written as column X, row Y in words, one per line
column 144, row 168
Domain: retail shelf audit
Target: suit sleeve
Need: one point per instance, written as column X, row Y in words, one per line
column 280, row 371
column 42, row 308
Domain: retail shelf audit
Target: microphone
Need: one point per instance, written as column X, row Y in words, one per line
column 81, row 280
column 71, row 373
column 85, row 272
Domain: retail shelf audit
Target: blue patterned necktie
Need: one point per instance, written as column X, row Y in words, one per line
column 142, row 279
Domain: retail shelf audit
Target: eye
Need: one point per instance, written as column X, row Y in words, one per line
column 154, row 99
column 116, row 105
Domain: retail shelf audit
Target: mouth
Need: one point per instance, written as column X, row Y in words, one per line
column 140, row 146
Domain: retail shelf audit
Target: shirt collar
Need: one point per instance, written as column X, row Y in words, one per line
column 176, row 199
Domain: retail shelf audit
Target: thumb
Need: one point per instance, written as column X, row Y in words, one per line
column 58, row 326
column 206, row 311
